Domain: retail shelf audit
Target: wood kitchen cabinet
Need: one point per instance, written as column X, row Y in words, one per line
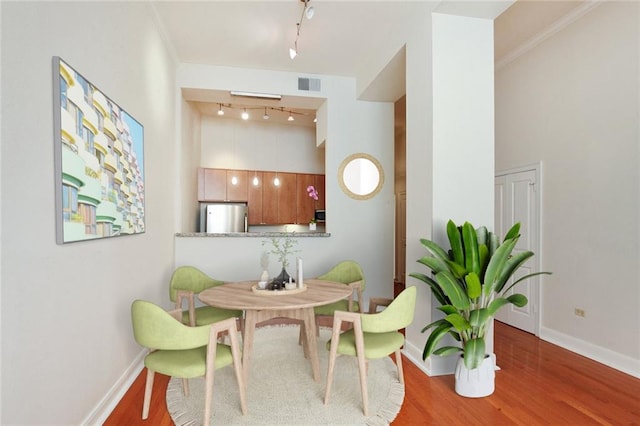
column 279, row 202
column 268, row 204
column 217, row 185
column 255, row 199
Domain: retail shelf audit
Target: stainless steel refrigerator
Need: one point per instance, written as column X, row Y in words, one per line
column 223, row 217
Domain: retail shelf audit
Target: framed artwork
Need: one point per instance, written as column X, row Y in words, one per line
column 99, row 161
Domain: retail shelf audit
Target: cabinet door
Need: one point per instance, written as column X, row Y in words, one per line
column 237, row 191
column 305, row 205
column 269, row 199
column 212, row 184
column 254, row 198
column 319, row 184
column 287, row 198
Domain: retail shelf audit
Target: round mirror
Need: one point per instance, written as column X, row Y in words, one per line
column 360, row 176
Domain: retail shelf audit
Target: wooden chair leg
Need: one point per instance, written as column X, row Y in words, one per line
column 185, row 387
column 362, row 366
column 147, row 394
column 399, row 365
column 208, row 383
column 335, row 337
column 237, row 366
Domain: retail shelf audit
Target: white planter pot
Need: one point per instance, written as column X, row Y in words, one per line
column 312, row 227
column 478, row 382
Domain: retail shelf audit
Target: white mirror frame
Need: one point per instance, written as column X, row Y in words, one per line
column 351, row 173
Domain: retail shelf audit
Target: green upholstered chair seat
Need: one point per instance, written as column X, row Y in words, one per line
column 208, row 315
column 186, row 363
column 376, row 345
column 340, row 305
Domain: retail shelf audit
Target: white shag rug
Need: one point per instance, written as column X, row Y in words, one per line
column 281, row 389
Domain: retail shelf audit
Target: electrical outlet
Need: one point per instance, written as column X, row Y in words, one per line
column 579, row 312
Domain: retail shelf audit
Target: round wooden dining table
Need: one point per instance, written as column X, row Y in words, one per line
column 259, row 306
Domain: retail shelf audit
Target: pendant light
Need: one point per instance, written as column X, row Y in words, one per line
column 256, row 181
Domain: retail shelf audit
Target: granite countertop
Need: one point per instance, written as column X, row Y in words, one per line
column 255, row 234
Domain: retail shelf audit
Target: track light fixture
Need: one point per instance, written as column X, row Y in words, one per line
column 265, row 116
column 220, row 111
column 308, row 12
column 245, row 114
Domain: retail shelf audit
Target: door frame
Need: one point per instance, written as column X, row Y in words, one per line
column 538, row 255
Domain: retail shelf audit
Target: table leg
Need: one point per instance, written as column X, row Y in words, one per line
column 247, row 344
column 312, row 341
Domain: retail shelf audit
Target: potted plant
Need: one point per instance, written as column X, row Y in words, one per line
column 282, row 249
column 471, row 282
column 312, row 224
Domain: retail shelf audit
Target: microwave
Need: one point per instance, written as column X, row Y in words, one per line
column 320, row 216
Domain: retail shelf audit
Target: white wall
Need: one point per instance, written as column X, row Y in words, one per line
column 66, row 327
column 256, row 145
column 360, row 230
column 188, row 151
column 573, row 103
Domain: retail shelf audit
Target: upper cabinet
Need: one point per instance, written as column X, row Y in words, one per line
column 269, row 204
column 222, row 185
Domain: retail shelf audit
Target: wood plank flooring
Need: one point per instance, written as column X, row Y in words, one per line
column 538, row 384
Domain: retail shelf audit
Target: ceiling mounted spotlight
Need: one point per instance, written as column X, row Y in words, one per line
column 245, row 114
column 220, row 111
column 265, row 116
column 290, row 117
column 308, row 12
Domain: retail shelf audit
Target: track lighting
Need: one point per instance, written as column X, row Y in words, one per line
column 290, row 118
column 220, row 111
column 245, row 114
column 265, row 116
column 308, row 12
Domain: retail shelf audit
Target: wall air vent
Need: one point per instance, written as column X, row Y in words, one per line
column 309, row 84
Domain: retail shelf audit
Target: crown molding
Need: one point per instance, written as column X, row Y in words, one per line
column 549, row 31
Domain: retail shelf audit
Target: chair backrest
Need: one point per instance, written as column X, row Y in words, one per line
column 398, row 315
column 345, row 272
column 190, row 278
column 155, row 328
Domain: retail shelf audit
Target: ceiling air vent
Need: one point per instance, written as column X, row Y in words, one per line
column 309, row 84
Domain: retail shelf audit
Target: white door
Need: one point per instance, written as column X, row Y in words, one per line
column 517, row 198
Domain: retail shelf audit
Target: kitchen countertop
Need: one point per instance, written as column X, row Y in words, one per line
column 311, row 234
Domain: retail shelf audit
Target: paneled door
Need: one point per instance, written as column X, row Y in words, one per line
column 517, row 199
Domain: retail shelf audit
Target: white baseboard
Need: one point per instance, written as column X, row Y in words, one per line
column 620, row 362
column 99, row 414
column 432, row 366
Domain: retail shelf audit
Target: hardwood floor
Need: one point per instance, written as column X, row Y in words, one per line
column 538, row 384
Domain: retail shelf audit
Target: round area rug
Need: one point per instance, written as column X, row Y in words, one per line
column 281, row 389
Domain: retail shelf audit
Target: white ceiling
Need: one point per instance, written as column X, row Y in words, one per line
column 343, row 38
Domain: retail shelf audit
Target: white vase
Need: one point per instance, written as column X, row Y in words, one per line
column 312, row 227
column 478, row 382
column 264, row 276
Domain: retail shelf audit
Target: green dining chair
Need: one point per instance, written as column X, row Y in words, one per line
column 178, row 350
column 186, row 283
column 372, row 336
column 348, row 272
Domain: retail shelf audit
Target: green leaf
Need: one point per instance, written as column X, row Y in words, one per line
column 474, row 352
column 494, row 243
column 447, row 309
column 455, row 239
column 447, row 350
column 470, row 241
column 474, row 288
column 481, row 234
column 436, row 323
column 496, row 264
column 525, row 278
column 436, row 335
column 453, row 289
column 433, row 263
column 517, row 299
column 435, row 287
column 511, row 265
column 483, row 254
column 434, row 249
column 458, row 271
column 479, row 317
column 513, row 232
column 458, row 321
